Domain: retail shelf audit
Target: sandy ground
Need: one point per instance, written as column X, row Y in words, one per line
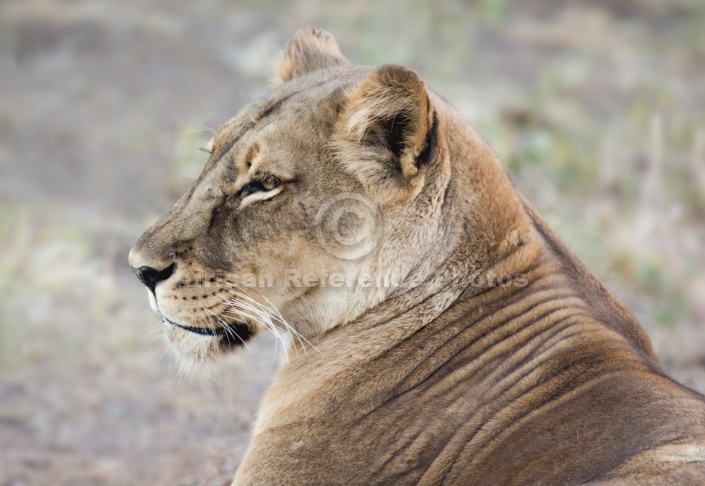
column 103, row 107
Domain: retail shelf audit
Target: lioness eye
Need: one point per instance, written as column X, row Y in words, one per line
column 266, row 184
column 269, row 183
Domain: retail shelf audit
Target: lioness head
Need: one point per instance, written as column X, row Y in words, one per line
column 318, row 202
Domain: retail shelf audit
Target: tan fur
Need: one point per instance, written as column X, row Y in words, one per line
column 495, row 357
column 308, row 50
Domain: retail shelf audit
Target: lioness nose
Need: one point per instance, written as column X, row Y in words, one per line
column 151, row 277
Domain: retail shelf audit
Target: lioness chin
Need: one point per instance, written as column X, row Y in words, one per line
column 440, row 331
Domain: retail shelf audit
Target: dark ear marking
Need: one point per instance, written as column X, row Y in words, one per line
column 396, row 131
column 429, row 151
column 386, row 127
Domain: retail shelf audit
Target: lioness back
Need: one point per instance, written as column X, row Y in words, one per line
column 436, row 329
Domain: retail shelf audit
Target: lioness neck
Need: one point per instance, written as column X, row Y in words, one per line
column 476, row 313
column 448, row 381
column 454, row 370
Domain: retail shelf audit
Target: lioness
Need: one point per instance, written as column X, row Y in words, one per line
column 440, row 331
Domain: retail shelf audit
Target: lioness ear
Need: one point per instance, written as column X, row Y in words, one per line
column 309, row 50
column 388, row 126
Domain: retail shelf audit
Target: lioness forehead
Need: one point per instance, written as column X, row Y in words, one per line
column 308, row 103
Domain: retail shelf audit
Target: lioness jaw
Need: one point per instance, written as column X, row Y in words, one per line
column 437, row 330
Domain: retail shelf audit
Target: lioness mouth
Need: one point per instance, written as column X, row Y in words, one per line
column 233, row 334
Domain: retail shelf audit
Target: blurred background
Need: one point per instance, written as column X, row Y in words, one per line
column 597, row 109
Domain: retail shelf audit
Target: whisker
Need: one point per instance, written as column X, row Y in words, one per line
column 267, row 325
column 278, row 317
column 259, row 317
column 284, row 321
column 226, row 327
column 261, row 311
